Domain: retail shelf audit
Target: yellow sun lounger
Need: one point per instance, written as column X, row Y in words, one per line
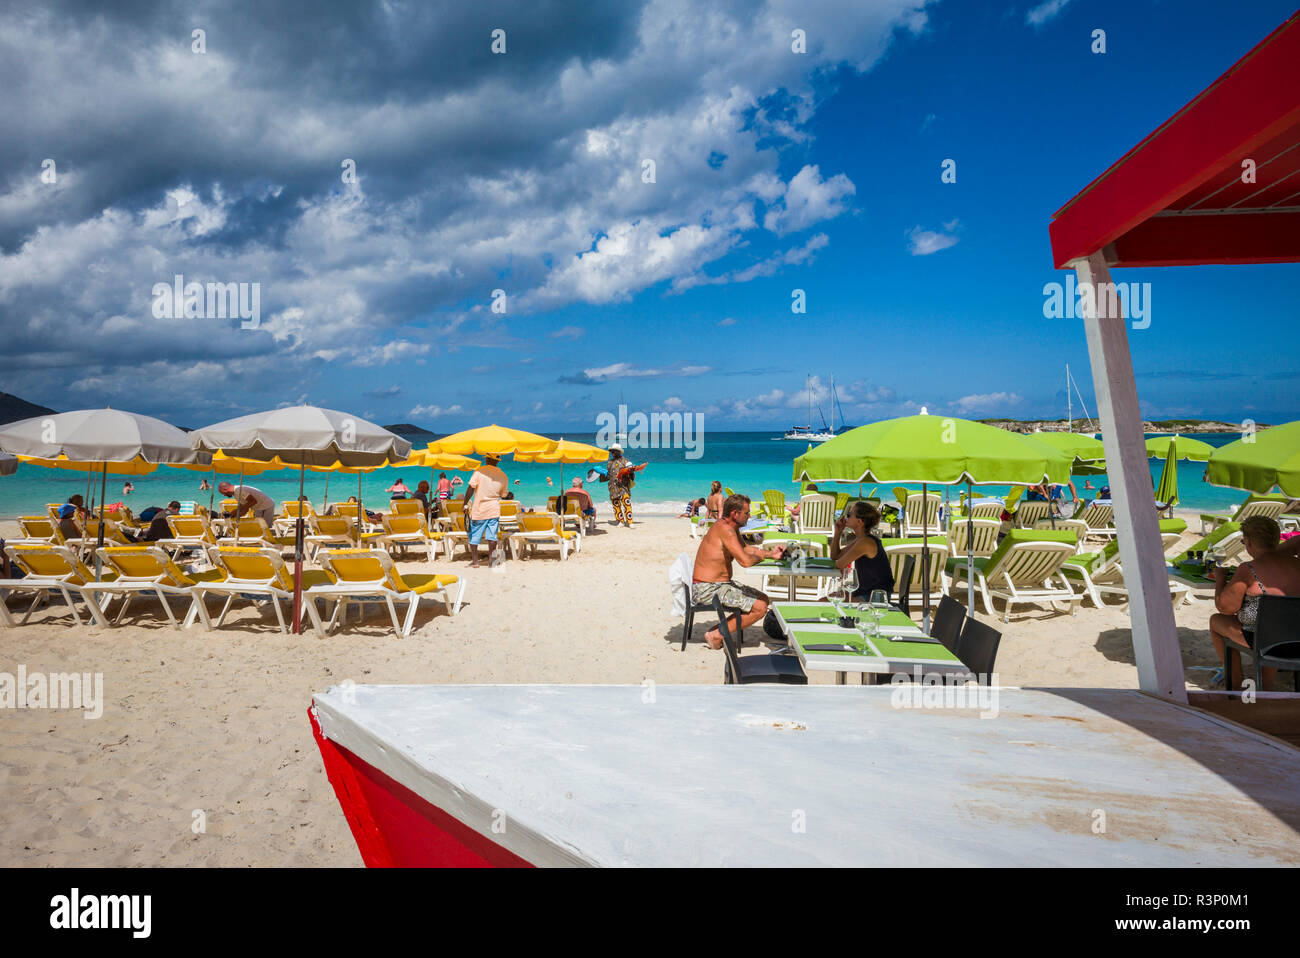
column 362, row 575
column 542, row 528
column 404, row 531
column 148, row 570
column 255, row 573
column 49, row 569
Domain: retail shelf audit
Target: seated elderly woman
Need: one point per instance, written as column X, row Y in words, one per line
column 1270, row 571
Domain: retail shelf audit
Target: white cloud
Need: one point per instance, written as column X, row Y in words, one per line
column 433, row 412
column 1045, row 12
column 923, row 242
column 808, row 199
column 986, row 402
column 568, row 332
column 728, row 321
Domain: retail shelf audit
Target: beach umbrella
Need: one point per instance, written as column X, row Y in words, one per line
column 1192, row 449
column 1260, row 461
column 933, row 450
column 303, row 436
column 492, row 440
column 1167, row 490
column 100, row 439
column 566, row 450
column 1088, row 451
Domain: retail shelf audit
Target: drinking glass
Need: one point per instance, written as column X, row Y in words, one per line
column 879, row 605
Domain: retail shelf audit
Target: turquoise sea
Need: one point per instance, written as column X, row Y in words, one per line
column 748, row 462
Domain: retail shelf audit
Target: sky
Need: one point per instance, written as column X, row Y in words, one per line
column 450, row 225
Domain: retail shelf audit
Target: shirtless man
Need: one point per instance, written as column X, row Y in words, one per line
column 712, row 575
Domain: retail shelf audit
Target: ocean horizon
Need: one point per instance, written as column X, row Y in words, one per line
column 747, row 461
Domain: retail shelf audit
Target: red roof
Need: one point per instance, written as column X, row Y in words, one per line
column 1178, row 198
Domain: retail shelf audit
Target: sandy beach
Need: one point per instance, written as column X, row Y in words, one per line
column 217, row 721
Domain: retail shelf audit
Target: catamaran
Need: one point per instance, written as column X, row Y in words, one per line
column 806, row 433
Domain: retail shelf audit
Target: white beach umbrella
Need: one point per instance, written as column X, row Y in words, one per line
column 94, row 438
column 303, row 436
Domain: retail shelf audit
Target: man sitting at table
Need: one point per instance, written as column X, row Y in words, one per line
column 712, row 575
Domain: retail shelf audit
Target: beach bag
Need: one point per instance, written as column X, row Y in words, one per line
column 772, row 627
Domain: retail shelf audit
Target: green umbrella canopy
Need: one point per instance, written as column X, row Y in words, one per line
column 1167, row 490
column 1088, row 451
column 932, row 449
column 1260, row 461
column 1158, row 448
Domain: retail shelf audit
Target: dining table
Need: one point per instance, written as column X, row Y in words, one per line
column 811, row 566
column 822, row 644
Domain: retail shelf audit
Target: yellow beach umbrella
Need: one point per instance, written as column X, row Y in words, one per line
column 566, row 450
column 132, row 467
column 492, row 440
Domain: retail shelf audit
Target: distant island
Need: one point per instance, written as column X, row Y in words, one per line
column 409, row 429
column 13, row 409
column 1092, row 425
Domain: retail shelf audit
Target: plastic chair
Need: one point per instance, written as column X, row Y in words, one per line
column 691, row 609
column 752, row 669
column 978, row 648
column 1277, row 640
column 947, row 623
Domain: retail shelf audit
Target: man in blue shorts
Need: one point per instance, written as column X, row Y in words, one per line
column 486, row 486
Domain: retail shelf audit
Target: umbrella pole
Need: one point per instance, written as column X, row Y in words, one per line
column 970, row 551
column 326, row 504
column 358, row 509
column 237, row 504
column 212, row 493
column 297, row 556
column 103, row 492
column 925, row 561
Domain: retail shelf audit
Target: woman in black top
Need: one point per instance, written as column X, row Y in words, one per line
column 866, row 553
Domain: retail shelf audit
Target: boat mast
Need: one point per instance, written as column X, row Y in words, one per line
column 832, row 404
column 808, row 382
column 1069, row 405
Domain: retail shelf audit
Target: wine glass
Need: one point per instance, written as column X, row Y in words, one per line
column 879, row 605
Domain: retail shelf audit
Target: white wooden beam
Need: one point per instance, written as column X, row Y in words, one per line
column 1155, row 636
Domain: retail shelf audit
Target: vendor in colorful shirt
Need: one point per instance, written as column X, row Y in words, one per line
column 621, row 476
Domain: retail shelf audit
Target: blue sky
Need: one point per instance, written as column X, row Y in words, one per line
column 523, row 171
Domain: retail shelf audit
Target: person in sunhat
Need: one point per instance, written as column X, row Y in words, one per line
column 621, row 476
column 487, row 487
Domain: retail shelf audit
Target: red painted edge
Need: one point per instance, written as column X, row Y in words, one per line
column 1253, row 102
column 396, row 828
column 1190, row 239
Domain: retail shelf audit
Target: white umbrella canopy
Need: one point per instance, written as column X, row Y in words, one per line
column 99, row 435
column 303, row 435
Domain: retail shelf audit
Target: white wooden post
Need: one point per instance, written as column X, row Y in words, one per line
column 1155, row 636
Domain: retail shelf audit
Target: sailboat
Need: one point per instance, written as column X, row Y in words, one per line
column 806, row 433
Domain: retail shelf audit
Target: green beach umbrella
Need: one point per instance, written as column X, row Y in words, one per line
column 1261, row 461
column 933, row 450
column 1193, row 449
column 1088, row 451
column 1167, row 490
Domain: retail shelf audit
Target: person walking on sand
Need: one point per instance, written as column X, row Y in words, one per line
column 621, row 476
column 487, row 486
column 712, row 575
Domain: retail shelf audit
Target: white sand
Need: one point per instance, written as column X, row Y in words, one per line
column 218, row 721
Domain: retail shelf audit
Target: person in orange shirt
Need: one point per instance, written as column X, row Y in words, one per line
column 486, row 486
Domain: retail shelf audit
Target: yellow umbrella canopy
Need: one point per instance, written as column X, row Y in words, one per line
column 131, row 467
column 492, row 440
column 424, row 459
column 566, row 450
column 224, row 465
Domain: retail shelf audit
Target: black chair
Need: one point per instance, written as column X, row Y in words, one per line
column 947, row 623
column 783, row 669
column 978, row 648
column 1276, row 640
column 691, row 609
column 904, row 584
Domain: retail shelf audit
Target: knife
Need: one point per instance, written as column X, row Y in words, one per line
column 830, row 648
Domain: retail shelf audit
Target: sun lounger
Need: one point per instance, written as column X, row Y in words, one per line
column 541, row 528
column 188, row 532
column 1223, row 544
column 919, row 515
column 254, row 573
column 287, row 520
column 149, row 570
column 253, row 531
column 1100, row 572
column 1022, row 570
column 1028, row 513
column 1077, row 526
column 817, row 512
column 1271, row 506
column 39, row 530
column 899, row 549
column 334, row 531
column 411, row 530
column 985, row 533
column 774, row 500
column 509, row 521
column 406, row 507
column 49, row 569
column 362, row 575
